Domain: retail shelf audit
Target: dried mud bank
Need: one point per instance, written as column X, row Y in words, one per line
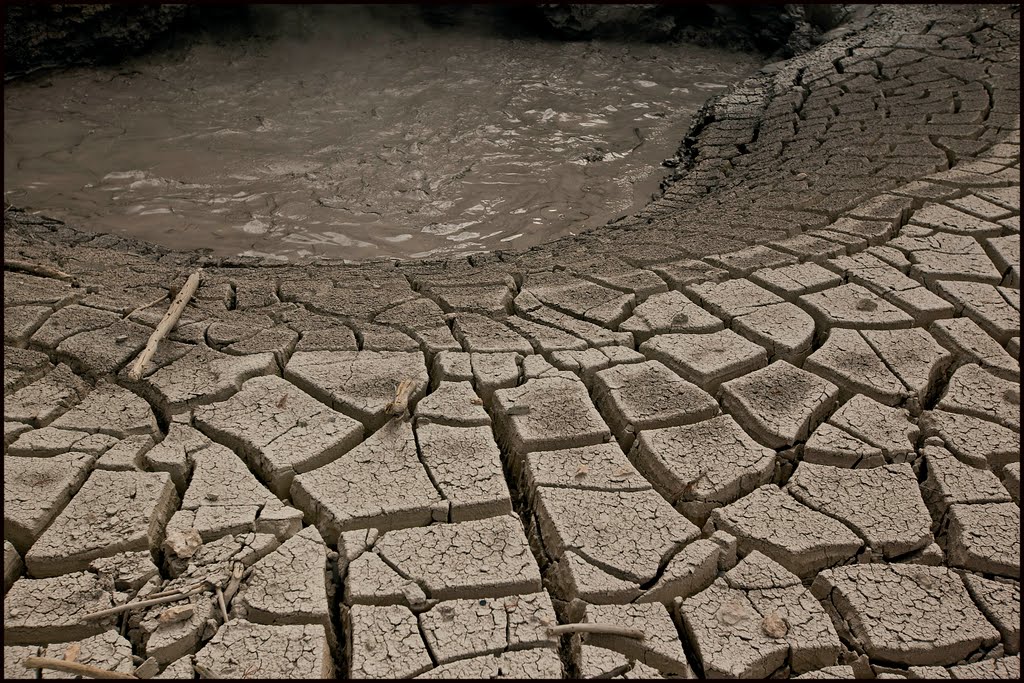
column 771, row 422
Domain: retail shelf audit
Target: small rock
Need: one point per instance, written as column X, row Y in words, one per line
column 148, row 669
column 414, row 595
column 775, row 626
column 183, row 544
column 173, row 615
column 210, row 630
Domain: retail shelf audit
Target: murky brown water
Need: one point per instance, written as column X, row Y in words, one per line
column 373, row 141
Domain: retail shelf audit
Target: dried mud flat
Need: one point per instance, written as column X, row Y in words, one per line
column 771, row 423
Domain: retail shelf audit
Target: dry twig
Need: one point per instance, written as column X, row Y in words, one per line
column 74, row 668
column 606, row 629
column 175, row 591
column 35, row 269
column 236, row 580
column 170, row 319
column 222, row 605
column 172, row 597
column 400, row 404
column 143, row 307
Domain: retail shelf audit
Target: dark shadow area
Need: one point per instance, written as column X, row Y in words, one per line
column 42, row 36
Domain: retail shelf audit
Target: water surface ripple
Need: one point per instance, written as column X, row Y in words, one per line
column 368, row 143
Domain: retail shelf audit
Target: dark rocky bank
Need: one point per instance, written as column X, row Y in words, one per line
column 39, row 36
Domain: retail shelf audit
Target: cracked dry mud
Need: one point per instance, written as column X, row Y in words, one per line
column 771, row 421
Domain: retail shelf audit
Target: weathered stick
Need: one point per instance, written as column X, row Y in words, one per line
column 174, row 597
column 176, row 591
column 400, row 404
column 32, row 268
column 607, row 629
column 74, row 668
column 170, row 319
column 220, row 602
column 236, row 580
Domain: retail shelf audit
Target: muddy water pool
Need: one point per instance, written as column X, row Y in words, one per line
column 372, row 139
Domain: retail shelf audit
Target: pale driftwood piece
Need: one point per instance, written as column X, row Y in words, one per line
column 170, row 319
column 222, row 605
column 35, row 269
column 236, row 580
column 74, row 668
column 605, row 629
column 400, row 405
column 173, row 597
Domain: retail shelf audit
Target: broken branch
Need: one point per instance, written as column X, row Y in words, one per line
column 236, row 580
column 170, row 319
column 176, row 591
column 173, row 597
column 220, row 602
column 606, row 629
column 400, row 404
column 74, row 668
column 34, row 269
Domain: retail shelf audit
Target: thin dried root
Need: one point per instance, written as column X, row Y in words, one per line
column 177, row 591
column 606, row 629
column 143, row 307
